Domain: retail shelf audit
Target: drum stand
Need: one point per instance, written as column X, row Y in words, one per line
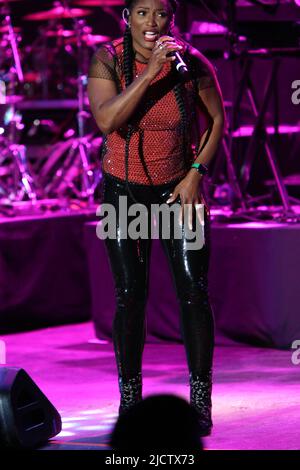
column 77, row 159
column 22, row 180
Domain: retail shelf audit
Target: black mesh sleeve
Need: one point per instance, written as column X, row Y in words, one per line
column 206, row 81
column 203, row 70
column 103, row 64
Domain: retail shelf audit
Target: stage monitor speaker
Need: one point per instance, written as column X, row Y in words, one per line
column 27, row 418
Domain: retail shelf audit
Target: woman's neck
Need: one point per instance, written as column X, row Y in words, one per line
column 141, row 54
column 140, row 57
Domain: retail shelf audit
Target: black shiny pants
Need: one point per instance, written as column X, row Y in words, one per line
column 129, row 261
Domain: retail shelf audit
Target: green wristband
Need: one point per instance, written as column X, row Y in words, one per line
column 201, row 168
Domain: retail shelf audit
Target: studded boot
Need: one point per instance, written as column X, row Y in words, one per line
column 131, row 392
column 200, row 399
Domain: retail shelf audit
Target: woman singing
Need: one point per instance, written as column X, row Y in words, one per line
column 149, row 115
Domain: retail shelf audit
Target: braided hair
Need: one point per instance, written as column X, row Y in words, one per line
column 179, row 91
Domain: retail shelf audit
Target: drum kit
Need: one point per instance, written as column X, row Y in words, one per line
column 53, row 67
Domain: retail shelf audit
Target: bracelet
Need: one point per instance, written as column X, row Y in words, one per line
column 201, row 168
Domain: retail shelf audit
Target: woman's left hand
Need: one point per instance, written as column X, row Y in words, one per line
column 188, row 190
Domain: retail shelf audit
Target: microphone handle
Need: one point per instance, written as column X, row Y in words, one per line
column 180, row 65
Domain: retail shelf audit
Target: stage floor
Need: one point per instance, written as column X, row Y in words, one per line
column 256, row 402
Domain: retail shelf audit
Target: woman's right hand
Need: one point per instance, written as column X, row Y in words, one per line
column 163, row 46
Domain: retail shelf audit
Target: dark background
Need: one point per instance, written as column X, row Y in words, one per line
column 263, row 28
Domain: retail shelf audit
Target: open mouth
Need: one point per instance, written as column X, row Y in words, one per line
column 151, row 36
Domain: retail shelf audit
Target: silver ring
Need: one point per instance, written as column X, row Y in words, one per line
column 161, row 46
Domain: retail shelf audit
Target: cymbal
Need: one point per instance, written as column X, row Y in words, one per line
column 12, row 99
column 6, row 170
column 99, row 3
column 56, row 13
column 65, row 33
column 91, row 39
column 4, row 29
column 32, row 77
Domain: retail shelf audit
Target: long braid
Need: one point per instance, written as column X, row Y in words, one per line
column 128, row 72
column 179, row 95
column 194, row 117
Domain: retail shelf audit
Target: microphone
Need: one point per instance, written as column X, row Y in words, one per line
column 179, row 64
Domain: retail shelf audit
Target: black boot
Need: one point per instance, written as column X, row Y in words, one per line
column 131, row 392
column 200, row 399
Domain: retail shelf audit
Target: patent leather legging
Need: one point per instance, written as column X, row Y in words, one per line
column 129, row 261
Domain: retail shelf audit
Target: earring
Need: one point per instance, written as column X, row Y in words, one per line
column 127, row 12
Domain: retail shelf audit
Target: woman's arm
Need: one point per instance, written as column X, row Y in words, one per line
column 212, row 105
column 112, row 110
